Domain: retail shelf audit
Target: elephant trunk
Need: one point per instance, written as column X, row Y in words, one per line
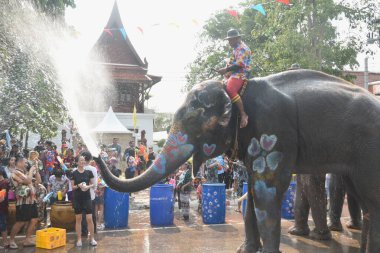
column 176, row 151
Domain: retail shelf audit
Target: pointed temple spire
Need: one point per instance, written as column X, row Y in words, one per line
column 128, row 71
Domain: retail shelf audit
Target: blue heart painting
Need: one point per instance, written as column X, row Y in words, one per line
column 159, row 165
column 263, row 192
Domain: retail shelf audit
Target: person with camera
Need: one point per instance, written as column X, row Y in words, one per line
column 26, row 203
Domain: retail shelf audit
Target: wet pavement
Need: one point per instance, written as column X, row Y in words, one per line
column 193, row 236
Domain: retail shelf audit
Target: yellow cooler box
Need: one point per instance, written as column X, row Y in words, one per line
column 51, row 238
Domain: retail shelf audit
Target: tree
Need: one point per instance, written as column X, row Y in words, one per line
column 303, row 33
column 162, row 121
column 30, row 98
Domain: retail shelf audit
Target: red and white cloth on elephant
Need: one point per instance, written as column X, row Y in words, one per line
column 242, row 57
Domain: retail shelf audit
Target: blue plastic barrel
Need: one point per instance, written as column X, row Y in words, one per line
column 116, row 208
column 214, row 203
column 287, row 208
column 244, row 205
column 161, row 205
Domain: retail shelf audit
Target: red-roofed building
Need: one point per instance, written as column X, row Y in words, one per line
column 129, row 73
column 373, row 80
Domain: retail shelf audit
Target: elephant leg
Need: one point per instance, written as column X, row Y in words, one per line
column 355, row 212
column 301, row 209
column 366, row 191
column 337, row 193
column 252, row 236
column 316, row 194
column 268, row 194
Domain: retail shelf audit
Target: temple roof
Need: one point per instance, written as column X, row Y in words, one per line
column 114, row 43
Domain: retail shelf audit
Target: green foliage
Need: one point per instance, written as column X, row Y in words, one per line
column 55, row 8
column 30, row 98
column 303, row 33
column 162, row 121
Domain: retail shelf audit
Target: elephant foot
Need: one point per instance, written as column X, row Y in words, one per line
column 299, row 231
column 247, row 247
column 354, row 224
column 321, row 235
column 336, row 226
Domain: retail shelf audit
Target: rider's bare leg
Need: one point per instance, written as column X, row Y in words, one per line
column 243, row 115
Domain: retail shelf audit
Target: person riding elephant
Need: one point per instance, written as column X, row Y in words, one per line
column 237, row 71
column 311, row 194
column 300, row 122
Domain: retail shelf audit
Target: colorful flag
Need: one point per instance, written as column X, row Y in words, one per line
column 233, row 13
column 283, row 1
column 108, row 31
column 140, row 29
column 134, row 117
column 123, row 32
column 259, row 8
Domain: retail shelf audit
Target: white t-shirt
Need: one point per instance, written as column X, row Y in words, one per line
column 95, row 173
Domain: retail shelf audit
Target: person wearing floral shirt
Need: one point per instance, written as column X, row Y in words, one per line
column 237, row 71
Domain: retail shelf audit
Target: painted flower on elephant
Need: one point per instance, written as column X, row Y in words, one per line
column 263, row 154
column 175, row 150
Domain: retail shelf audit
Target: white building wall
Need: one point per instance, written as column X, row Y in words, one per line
column 144, row 122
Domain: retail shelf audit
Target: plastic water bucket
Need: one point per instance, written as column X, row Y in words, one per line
column 214, row 203
column 244, row 204
column 116, row 208
column 161, row 205
column 287, row 208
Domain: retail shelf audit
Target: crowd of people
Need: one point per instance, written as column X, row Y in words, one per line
column 36, row 179
column 217, row 170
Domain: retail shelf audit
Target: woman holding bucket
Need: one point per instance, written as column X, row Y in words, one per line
column 83, row 181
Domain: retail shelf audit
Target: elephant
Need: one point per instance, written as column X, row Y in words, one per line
column 311, row 194
column 337, row 194
column 300, row 121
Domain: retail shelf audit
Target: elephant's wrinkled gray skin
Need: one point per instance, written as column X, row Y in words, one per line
column 297, row 119
column 311, row 195
column 337, row 196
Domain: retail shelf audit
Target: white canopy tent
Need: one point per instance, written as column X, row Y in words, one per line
column 111, row 125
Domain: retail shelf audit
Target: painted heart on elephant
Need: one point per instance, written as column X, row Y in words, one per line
column 266, row 159
column 209, row 149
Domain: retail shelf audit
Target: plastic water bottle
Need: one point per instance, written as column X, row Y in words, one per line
column 59, row 193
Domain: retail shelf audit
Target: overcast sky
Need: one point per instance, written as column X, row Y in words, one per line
column 168, row 41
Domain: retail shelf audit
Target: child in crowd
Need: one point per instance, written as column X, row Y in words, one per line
column 59, row 185
column 201, row 180
column 99, row 197
column 99, row 202
column 4, row 188
column 114, row 167
column 41, row 192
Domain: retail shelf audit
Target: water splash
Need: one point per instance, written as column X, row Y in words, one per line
column 82, row 82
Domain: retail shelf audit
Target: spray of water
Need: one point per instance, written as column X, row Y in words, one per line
column 83, row 83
